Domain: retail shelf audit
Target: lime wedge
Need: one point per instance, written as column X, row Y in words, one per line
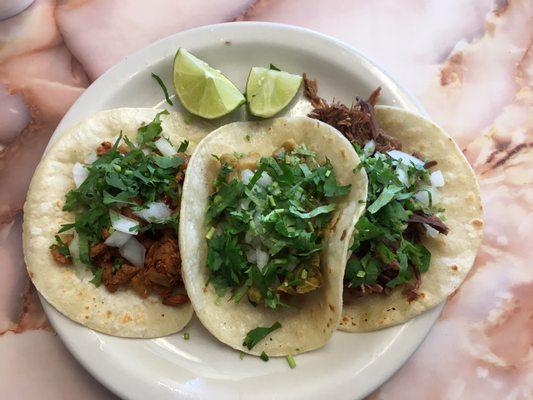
column 203, row 90
column 268, row 91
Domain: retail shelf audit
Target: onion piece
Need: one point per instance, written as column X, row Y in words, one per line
column 146, row 151
column 79, row 173
column 251, row 256
column 134, row 252
column 165, row 147
column 431, row 232
column 265, row 180
column 437, row 179
column 246, row 176
column 402, row 175
column 404, row 158
column 117, row 239
column 156, row 212
column 262, row 258
column 369, row 148
column 122, row 223
column 423, row 196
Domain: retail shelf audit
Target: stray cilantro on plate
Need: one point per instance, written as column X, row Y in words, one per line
column 163, row 87
column 256, row 335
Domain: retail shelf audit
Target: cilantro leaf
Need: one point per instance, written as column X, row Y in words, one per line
column 168, row 161
column 148, row 133
column 332, row 189
column 163, row 87
column 313, row 213
column 384, row 197
column 256, row 335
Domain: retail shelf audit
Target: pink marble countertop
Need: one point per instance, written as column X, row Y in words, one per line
column 468, row 61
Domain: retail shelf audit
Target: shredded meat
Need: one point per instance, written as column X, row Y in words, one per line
column 435, row 222
column 430, row 164
column 176, row 300
column 358, row 122
column 103, row 148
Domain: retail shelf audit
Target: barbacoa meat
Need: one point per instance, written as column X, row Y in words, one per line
column 359, row 125
column 358, row 122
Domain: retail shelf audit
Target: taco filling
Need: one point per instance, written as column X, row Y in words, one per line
column 126, row 212
column 266, row 220
column 402, row 204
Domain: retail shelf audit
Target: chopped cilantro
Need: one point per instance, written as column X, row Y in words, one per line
column 186, row 336
column 256, row 335
column 272, row 66
column 264, row 356
column 117, row 179
column 280, row 214
column 382, row 238
column 290, row 361
column 163, row 87
column 241, row 354
column 61, row 247
column 149, row 132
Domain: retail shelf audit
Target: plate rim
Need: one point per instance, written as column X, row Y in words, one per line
column 55, row 317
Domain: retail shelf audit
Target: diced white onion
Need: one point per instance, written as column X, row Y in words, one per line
column 245, row 204
column 370, row 148
column 430, row 231
column 423, row 196
column 122, row 223
column 117, row 239
column 134, row 252
column 262, row 258
column 79, row 173
column 90, row 158
column 437, row 179
column 251, row 256
column 405, row 158
column 248, row 237
column 156, row 212
column 265, row 180
column 402, row 175
column 246, row 176
column 165, row 147
column 146, row 151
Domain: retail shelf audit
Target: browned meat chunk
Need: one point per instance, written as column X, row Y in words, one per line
column 122, row 277
column 176, row 300
column 164, row 256
column 98, row 249
column 60, row 258
column 103, row 148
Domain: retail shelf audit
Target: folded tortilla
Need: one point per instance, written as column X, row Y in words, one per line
column 311, row 323
column 67, row 288
column 452, row 255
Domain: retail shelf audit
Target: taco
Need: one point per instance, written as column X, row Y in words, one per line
column 267, row 213
column 101, row 222
column 422, row 226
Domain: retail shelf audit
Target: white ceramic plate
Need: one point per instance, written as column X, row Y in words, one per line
column 351, row 365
